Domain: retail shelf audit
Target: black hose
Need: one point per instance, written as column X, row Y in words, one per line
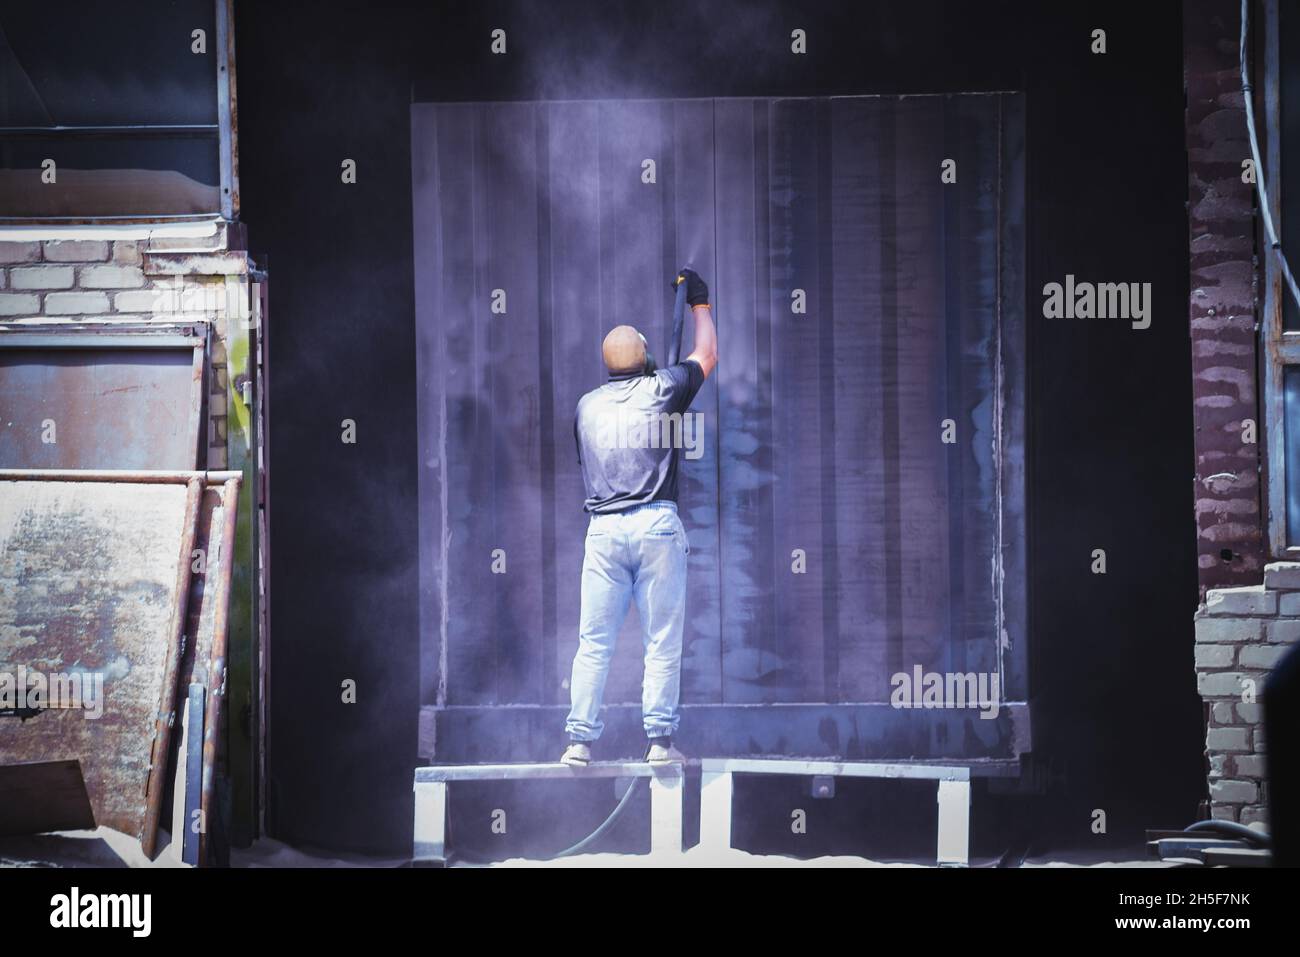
column 1232, row 829
column 591, row 838
column 679, row 317
column 599, row 832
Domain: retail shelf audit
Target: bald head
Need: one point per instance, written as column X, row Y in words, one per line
column 623, row 350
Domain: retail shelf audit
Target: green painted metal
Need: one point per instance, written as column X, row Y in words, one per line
column 242, row 657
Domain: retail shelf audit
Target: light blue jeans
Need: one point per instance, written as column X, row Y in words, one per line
column 637, row 553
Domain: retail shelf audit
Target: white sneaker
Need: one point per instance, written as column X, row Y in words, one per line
column 658, row 754
column 577, row 754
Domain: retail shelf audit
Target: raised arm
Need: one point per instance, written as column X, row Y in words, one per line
column 706, row 336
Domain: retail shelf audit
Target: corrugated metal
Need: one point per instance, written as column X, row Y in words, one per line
column 822, row 429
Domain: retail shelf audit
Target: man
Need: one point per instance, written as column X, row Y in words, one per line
column 629, row 434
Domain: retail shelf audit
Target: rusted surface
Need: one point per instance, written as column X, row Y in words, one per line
column 85, row 406
column 134, row 476
column 200, row 625
column 88, row 573
column 217, row 591
column 43, row 796
column 167, row 711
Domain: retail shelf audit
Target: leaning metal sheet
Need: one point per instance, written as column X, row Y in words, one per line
column 87, row 589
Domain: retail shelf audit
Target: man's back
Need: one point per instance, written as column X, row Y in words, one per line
column 631, row 432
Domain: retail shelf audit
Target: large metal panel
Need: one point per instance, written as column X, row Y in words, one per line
column 837, row 539
column 102, row 399
column 88, row 586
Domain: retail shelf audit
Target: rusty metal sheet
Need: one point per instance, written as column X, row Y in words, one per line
column 88, row 582
column 43, row 796
column 78, row 404
column 202, row 655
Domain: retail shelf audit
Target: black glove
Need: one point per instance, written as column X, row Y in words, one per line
column 697, row 291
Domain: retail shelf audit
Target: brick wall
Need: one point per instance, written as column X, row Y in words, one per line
column 1229, row 522
column 1241, row 633
column 142, row 278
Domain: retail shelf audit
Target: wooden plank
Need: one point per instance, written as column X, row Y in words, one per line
column 508, row 503
column 688, row 129
column 860, row 732
column 749, row 567
column 462, row 324
column 577, row 328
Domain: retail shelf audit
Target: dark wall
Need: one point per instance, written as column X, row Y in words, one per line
column 1110, row 430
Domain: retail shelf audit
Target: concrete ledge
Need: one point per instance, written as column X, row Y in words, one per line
column 1283, row 575
column 516, row 772
column 1249, row 600
column 839, row 769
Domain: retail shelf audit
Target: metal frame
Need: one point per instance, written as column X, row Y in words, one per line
column 227, row 133
column 1279, row 347
column 430, row 836
column 875, row 732
column 717, row 790
column 216, row 692
column 224, row 132
column 126, row 336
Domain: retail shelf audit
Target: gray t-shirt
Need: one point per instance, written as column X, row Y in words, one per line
column 632, row 431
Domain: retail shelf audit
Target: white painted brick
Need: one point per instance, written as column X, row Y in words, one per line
column 1227, row 739
column 111, row 277
column 1262, row 656
column 75, row 303
column 41, row 277
column 210, row 264
column 1255, row 817
column 1223, row 714
column 1257, row 740
column 19, row 304
column 1214, row 656
column 1249, row 765
column 1248, row 712
column 1218, row 764
column 75, row 251
column 1288, row 603
column 1219, row 684
column 1282, row 575
column 20, row 252
column 1249, row 600
column 1284, row 632
column 126, row 254
column 1234, row 792
column 1222, row 812
column 141, row 300
column 1220, row 630
column 4, row 278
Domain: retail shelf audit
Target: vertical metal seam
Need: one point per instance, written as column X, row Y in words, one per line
column 999, row 610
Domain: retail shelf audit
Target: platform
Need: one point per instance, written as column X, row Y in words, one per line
column 716, row 792
column 431, row 783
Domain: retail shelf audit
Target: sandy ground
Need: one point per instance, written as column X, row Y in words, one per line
column 105, row 847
